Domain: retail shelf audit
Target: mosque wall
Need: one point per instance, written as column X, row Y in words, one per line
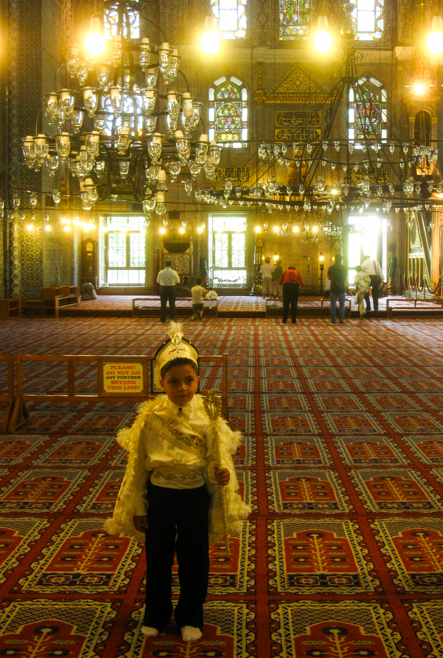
column 269, row 71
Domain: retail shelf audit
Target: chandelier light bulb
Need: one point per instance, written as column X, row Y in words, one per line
column 95, row 42
column 151, row 77
column 323, row 39
column 149, row 102
column 116, row 98
column 144, row 55
column 29, row 150
column 160, row 208
column 90, row 100
column 435, row 39
column 210, row 41
column 164, row 54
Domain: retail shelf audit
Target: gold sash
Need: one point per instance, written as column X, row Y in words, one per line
column 168, row 428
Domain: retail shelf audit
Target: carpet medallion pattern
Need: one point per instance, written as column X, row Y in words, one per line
column 342, row 464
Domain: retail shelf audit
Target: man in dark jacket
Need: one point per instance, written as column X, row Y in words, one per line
column 337, row 275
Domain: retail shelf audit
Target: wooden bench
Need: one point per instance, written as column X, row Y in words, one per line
column 9, row 308
column 149, row 306
column 51, row 302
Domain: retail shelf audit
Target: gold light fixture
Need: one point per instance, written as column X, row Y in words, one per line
column 435, row 39
column 95, row 42
column 210, row 41
column 323, row 39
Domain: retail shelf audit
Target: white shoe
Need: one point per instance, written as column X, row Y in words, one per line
column 148, row 631
column 190, row 633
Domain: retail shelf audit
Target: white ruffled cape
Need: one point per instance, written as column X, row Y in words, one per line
column 122, row 523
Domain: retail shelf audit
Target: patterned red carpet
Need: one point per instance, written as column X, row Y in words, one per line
column 234, row 305
column 342, row 463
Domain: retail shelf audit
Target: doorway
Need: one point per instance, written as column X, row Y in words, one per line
column 367, row 236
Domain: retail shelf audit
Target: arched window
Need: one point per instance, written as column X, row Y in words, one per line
column 423, row 128
column 131, row 22
column 231, row 16
column 368, row 17
column 228, row 112
column 294, row 17
column 368, row 114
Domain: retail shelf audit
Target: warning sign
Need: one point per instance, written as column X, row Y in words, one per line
column 123, row 378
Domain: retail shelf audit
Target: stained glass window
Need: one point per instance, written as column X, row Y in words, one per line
column 231, row 15
column 294, row 17
column 228, row 112
column 368, row 114
column 368, row 17
column 130, row 19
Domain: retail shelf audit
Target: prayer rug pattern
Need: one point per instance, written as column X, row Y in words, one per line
column 342, row 464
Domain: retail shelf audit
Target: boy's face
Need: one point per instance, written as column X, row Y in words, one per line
column 180, row 384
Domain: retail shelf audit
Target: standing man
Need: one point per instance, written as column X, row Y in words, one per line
column 167, row 279
column 266, row 271
column 291, row 280
column 339, row 284
column 373, row 268
column 277, row 289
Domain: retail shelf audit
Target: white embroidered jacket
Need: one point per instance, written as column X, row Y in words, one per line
column 154, row 452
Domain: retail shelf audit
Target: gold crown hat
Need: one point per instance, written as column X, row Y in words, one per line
column 175, row 347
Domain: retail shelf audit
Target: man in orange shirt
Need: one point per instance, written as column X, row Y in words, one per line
column 291, row 280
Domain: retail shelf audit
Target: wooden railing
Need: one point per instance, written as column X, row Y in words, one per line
column 8, row 397
column 146, row 385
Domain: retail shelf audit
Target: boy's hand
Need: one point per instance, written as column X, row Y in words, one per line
column 222, row 475
column 140, row 522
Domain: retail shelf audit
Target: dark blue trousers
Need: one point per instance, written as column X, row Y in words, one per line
column 177, row 523
column 290, row 299
column 167, row 293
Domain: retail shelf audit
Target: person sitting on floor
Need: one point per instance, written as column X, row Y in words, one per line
column 87, row 292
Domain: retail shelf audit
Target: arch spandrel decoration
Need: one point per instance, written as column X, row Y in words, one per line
column 296, row 86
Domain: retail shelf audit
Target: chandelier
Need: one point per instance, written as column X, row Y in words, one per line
column 116, row 129
column 332, row 175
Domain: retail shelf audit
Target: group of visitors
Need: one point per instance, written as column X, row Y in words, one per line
column 369, row 275
column 286, row 284
column 168, row 279
column 270, row 276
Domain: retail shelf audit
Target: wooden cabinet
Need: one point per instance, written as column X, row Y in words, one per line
column 9, row 308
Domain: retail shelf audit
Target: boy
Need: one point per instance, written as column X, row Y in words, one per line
column 362, row 283
column 198, row 294
column 173, row 480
